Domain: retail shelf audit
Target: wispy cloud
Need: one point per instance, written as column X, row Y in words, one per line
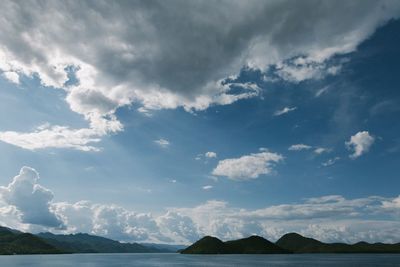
column 162, row 142
column 299, row 147
column 54, row 137
column 317, row 150
column 320, row 150
column 330, row 162
column 284, row 111
column 322, row 91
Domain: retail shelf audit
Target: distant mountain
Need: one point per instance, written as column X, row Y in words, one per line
column 300, row 244
column 250, row 245
column 164, row 247
column 85, row 243
column 15, row 242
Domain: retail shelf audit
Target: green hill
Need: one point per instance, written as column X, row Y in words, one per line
column 253, row 245
column 85, row 243
column 15, row 242
column 207, row 245
column 300, row 244
column 250, row 245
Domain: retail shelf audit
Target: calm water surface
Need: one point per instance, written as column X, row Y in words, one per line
column 111, row 260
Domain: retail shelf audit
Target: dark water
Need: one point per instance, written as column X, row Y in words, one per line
column 111, row 260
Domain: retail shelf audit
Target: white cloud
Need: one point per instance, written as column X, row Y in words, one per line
column 393, row 204
column 301, row 69
column 299, row 147
column 210, row 155
column 207, row 187
column 27, row 206
column 11, row 76
column 54, row 137
column 330, row 162
column 162, row 142
column 206, row 156
column 127, row 58
column 360, row 143
column 327, row 218
column 30, row 199
column 249, row 166
column 284, row 111
column 317, row 150
column 178, row 227
column 322, row 91
column 320, row 150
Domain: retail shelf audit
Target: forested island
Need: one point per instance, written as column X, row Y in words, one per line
column 288, row 243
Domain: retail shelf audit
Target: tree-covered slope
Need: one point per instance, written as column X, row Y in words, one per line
column 14, row 242
column 250, row 245
column 85, row 243
column 300, row 244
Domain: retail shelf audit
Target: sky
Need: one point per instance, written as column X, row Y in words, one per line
column 164, row 121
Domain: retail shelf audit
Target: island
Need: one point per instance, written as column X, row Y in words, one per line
column 288, row 243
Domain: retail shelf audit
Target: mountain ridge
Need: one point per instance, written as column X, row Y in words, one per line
column 300, row 244
column 249, row 245
column 17, row 242
column 86, row 243
column 288, row 243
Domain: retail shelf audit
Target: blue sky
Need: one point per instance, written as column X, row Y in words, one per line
column 148, row 134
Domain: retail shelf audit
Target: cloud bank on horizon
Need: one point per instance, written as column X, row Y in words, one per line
column 134, row 53
column 28, row 206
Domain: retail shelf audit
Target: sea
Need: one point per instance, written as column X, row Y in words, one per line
column 172, row 259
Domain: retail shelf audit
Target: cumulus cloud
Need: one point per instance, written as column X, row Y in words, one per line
column 26, row 205
column 360, row 143
column 328, row 218
column 284, row 111
column 30, row 199
column 178, row 227
column 299, row 147
column 11, row 76
column 249, row 166
column 162, row 142
column 148, row 54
